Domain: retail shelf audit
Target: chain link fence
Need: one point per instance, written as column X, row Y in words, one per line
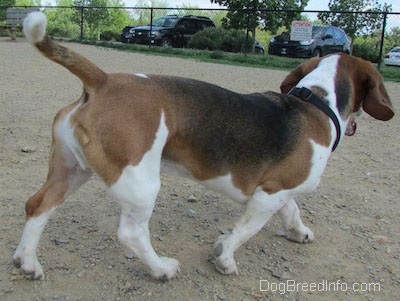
column 372, row 33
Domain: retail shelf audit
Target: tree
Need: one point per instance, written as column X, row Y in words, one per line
column 5, row 3
column 61, row 20
column 250, row 14
column 393, row 38
column 355, row 17
column 94, row 14
column 28, row 2
column 143, row 16
column 118, row 17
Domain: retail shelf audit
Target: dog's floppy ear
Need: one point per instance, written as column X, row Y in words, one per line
column 377, row 102
column 297, row 74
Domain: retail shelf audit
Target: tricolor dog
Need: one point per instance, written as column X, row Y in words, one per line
column 262, row 149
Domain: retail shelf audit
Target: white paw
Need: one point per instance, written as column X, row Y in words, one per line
column 226, row 265
column 168, row 269
column 31, row 268
column 304, row 235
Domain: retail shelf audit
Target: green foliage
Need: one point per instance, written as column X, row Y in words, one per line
column 94, row 16
column 98, row 18
column 355, row 24
column 257, row 16
column 258, row 61
column 60, row 21
column 5, row 3
column 28, row 2
column 393, row 39
column 109, row 35
column 367, row 48
column 264, row 37
column 217, row 55
column 143, row 16
column 60, row 25
column 220, row 39
column 65, row 22
column 391, row 73
column 118, row 18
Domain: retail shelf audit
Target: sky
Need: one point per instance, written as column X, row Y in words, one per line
column 312, row 4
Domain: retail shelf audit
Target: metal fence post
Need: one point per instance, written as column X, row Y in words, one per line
column 81, row 23
column 151, row 25
column 382, row 39
column 247, row 32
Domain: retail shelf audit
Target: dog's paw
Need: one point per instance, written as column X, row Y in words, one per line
column 32, row 269
column 226, row 265
column 305, row 235
column 168, row 269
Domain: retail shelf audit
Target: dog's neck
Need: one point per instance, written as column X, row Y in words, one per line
column 309, row 96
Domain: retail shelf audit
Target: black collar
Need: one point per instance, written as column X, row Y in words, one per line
column 308, row 96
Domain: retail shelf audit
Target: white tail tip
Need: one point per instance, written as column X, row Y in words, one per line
column 35, row 27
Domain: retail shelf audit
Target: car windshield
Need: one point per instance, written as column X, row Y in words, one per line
column 396, row 49
column 317, row 31
column 164, row 22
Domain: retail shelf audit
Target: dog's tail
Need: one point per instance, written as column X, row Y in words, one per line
column 34, row 28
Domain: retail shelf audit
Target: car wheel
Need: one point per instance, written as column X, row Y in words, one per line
column 317, row 53
column 166, row 42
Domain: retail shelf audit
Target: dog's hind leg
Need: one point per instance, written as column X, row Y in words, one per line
column 293, row 227
column 260, row 207
column 65, row 175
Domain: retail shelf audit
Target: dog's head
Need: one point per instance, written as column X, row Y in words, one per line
column 357, row 85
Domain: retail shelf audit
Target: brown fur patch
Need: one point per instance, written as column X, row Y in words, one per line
column 117, row 125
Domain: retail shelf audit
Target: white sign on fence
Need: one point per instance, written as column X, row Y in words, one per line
column 301, row 31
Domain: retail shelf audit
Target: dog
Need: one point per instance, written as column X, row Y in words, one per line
column 262, row 150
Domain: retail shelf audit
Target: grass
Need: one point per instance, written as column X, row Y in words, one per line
column 389, row 73
column 250, row 60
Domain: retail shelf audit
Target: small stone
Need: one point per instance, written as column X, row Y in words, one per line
column 201, row 271
column 192, row 199
column 221, row 296
column 191, row 213
column 81, row 274
column 129, row 254
column 381, row 239
column 62, row 240
column 28, row 149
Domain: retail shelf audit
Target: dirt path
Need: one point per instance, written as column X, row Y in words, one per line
column 354, row 213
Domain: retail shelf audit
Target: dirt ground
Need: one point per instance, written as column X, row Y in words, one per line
column 354, row 213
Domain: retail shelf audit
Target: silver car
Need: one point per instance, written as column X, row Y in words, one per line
column 392, row 58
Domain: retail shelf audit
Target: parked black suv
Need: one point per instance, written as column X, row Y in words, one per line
column 325, row 39
column 166, row 31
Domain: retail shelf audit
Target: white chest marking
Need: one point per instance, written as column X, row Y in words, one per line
column 318, row 164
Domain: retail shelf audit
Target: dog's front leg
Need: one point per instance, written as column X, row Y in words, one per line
column 293, row 227
column 260, row 207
